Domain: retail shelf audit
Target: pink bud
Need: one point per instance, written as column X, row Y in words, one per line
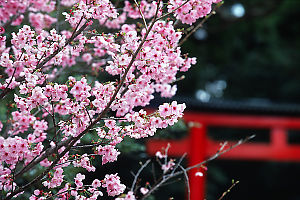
column 2, row 30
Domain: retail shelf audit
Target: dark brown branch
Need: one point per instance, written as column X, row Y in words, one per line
column 12, row 77
column 74, row 35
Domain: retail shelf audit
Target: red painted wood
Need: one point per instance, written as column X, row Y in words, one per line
column 230, row 120
column 197, row 154
column 248, row 151
column 199, row 147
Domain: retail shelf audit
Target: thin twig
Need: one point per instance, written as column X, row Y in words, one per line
column 89, row 155
column 46, row 110
column 166, row 153
column 217, row 154
column 171, row 182
column 68, row 190
column 153, row 173
column 86, row 146
column 227, row 191
column 178, row 163
column 142, row 15
column 87, row 112
column 186, row 178
column 12, row 77
column 138, row 173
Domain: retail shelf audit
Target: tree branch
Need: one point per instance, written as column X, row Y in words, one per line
column 138, row 173
column 227, row 191
column 219, row 153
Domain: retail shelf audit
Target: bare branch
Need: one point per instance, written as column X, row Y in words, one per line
column 178, row 163
column 227, row 191
column 12, row 77
column 138, row 173
column 186, row 178
column 169, row 176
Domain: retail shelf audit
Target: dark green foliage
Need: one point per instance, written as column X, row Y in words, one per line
column 257, row 55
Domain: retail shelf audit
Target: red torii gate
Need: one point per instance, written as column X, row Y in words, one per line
column 199, row 147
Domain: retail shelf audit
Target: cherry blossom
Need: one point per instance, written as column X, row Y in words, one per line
column 144, row 190
column 192, row 10
column 135, row 48
column 113, row 185
column 108, row 152
column 129, row 196
column 199, row 174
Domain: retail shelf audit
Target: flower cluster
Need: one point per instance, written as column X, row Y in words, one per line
column 146, row 125
column 129, row 196
column 191, row 10
column 84, row 162
column 91, row 9
column 16, row 8
column 56, row 180
column 40, row 21
column 148, row 9
column 108, row 152
column 12, row 151
column 51, row 111
column 113, row 185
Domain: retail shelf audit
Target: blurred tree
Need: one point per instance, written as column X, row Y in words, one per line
column 253, row 46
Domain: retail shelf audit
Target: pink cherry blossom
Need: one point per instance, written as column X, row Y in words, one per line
column 113, row 185
column 108, row 152
column 78, row 180
column 168, row 166
column 144, row 190
column 96, row 183
column 49, row 111
column 2, row 30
